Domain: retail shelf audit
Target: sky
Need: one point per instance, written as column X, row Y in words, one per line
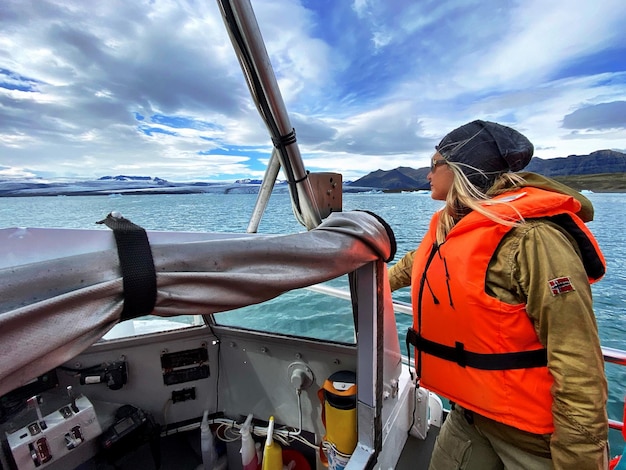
column 90, row 88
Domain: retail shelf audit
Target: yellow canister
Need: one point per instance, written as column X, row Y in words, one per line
column 338, row 396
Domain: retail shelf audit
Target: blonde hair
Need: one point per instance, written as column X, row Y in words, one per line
column 465, row 197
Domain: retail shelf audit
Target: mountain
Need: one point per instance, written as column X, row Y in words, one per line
column 123, row 184
column 601, row 162
column 398, row 179
column 143, row 179
column 600, row 171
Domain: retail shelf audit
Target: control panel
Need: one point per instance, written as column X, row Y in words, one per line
column 54, row 436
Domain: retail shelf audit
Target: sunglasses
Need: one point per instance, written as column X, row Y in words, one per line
column 435, row 163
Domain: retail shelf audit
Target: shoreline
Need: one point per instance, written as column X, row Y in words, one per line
column 596, row 183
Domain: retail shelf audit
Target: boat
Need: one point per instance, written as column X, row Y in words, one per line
column 124, row 348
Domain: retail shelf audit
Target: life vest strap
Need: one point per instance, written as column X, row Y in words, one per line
column 484, row 361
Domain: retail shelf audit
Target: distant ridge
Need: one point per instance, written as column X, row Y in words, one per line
column 149, row 179
column 600, row 171
column 123, row 184
column 399, row 179
column 600, row 162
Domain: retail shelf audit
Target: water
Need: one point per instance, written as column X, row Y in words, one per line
column 408, row 215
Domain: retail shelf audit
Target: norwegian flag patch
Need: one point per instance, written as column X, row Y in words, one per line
column 560, row 285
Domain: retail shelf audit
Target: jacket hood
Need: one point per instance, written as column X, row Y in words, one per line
column 542, row 182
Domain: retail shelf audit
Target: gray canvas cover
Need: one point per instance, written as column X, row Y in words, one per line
column 62, row 290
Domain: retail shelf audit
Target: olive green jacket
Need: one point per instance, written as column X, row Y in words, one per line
column 529, row 257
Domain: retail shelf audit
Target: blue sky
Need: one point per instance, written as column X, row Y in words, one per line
column 153, row 88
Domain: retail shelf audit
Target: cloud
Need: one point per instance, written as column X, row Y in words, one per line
column 598, row 117
column 87, row 88
column 388, row 130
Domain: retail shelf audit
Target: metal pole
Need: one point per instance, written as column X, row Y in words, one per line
column 250, row 49
column 265, row 191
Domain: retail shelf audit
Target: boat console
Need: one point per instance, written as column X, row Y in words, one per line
column 136, row 398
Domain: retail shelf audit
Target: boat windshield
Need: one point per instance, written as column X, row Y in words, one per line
column 308, row 313
column 311, row 313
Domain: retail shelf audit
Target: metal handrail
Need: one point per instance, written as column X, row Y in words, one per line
column 614, row 356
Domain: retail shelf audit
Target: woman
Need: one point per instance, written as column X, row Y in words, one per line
column 503, row 324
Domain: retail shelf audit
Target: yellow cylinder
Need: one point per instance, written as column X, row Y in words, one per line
column 339, row 393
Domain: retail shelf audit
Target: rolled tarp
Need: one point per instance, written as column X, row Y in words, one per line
column 58, row 297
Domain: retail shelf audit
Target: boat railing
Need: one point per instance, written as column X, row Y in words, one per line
column 611, row 355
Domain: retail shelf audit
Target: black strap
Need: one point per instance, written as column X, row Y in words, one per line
column 285, row 140
column 464, row 358
column 137, row 265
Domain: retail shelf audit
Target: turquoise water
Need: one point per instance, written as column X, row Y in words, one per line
column 408, row 214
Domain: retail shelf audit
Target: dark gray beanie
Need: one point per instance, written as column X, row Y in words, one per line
column 485, row 150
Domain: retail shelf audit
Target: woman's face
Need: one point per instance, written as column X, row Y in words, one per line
column 440, row 177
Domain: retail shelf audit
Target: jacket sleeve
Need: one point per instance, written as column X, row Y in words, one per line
column 566, row 325
column 400, row 273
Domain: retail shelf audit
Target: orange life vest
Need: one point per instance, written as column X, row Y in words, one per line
column 472, row 348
